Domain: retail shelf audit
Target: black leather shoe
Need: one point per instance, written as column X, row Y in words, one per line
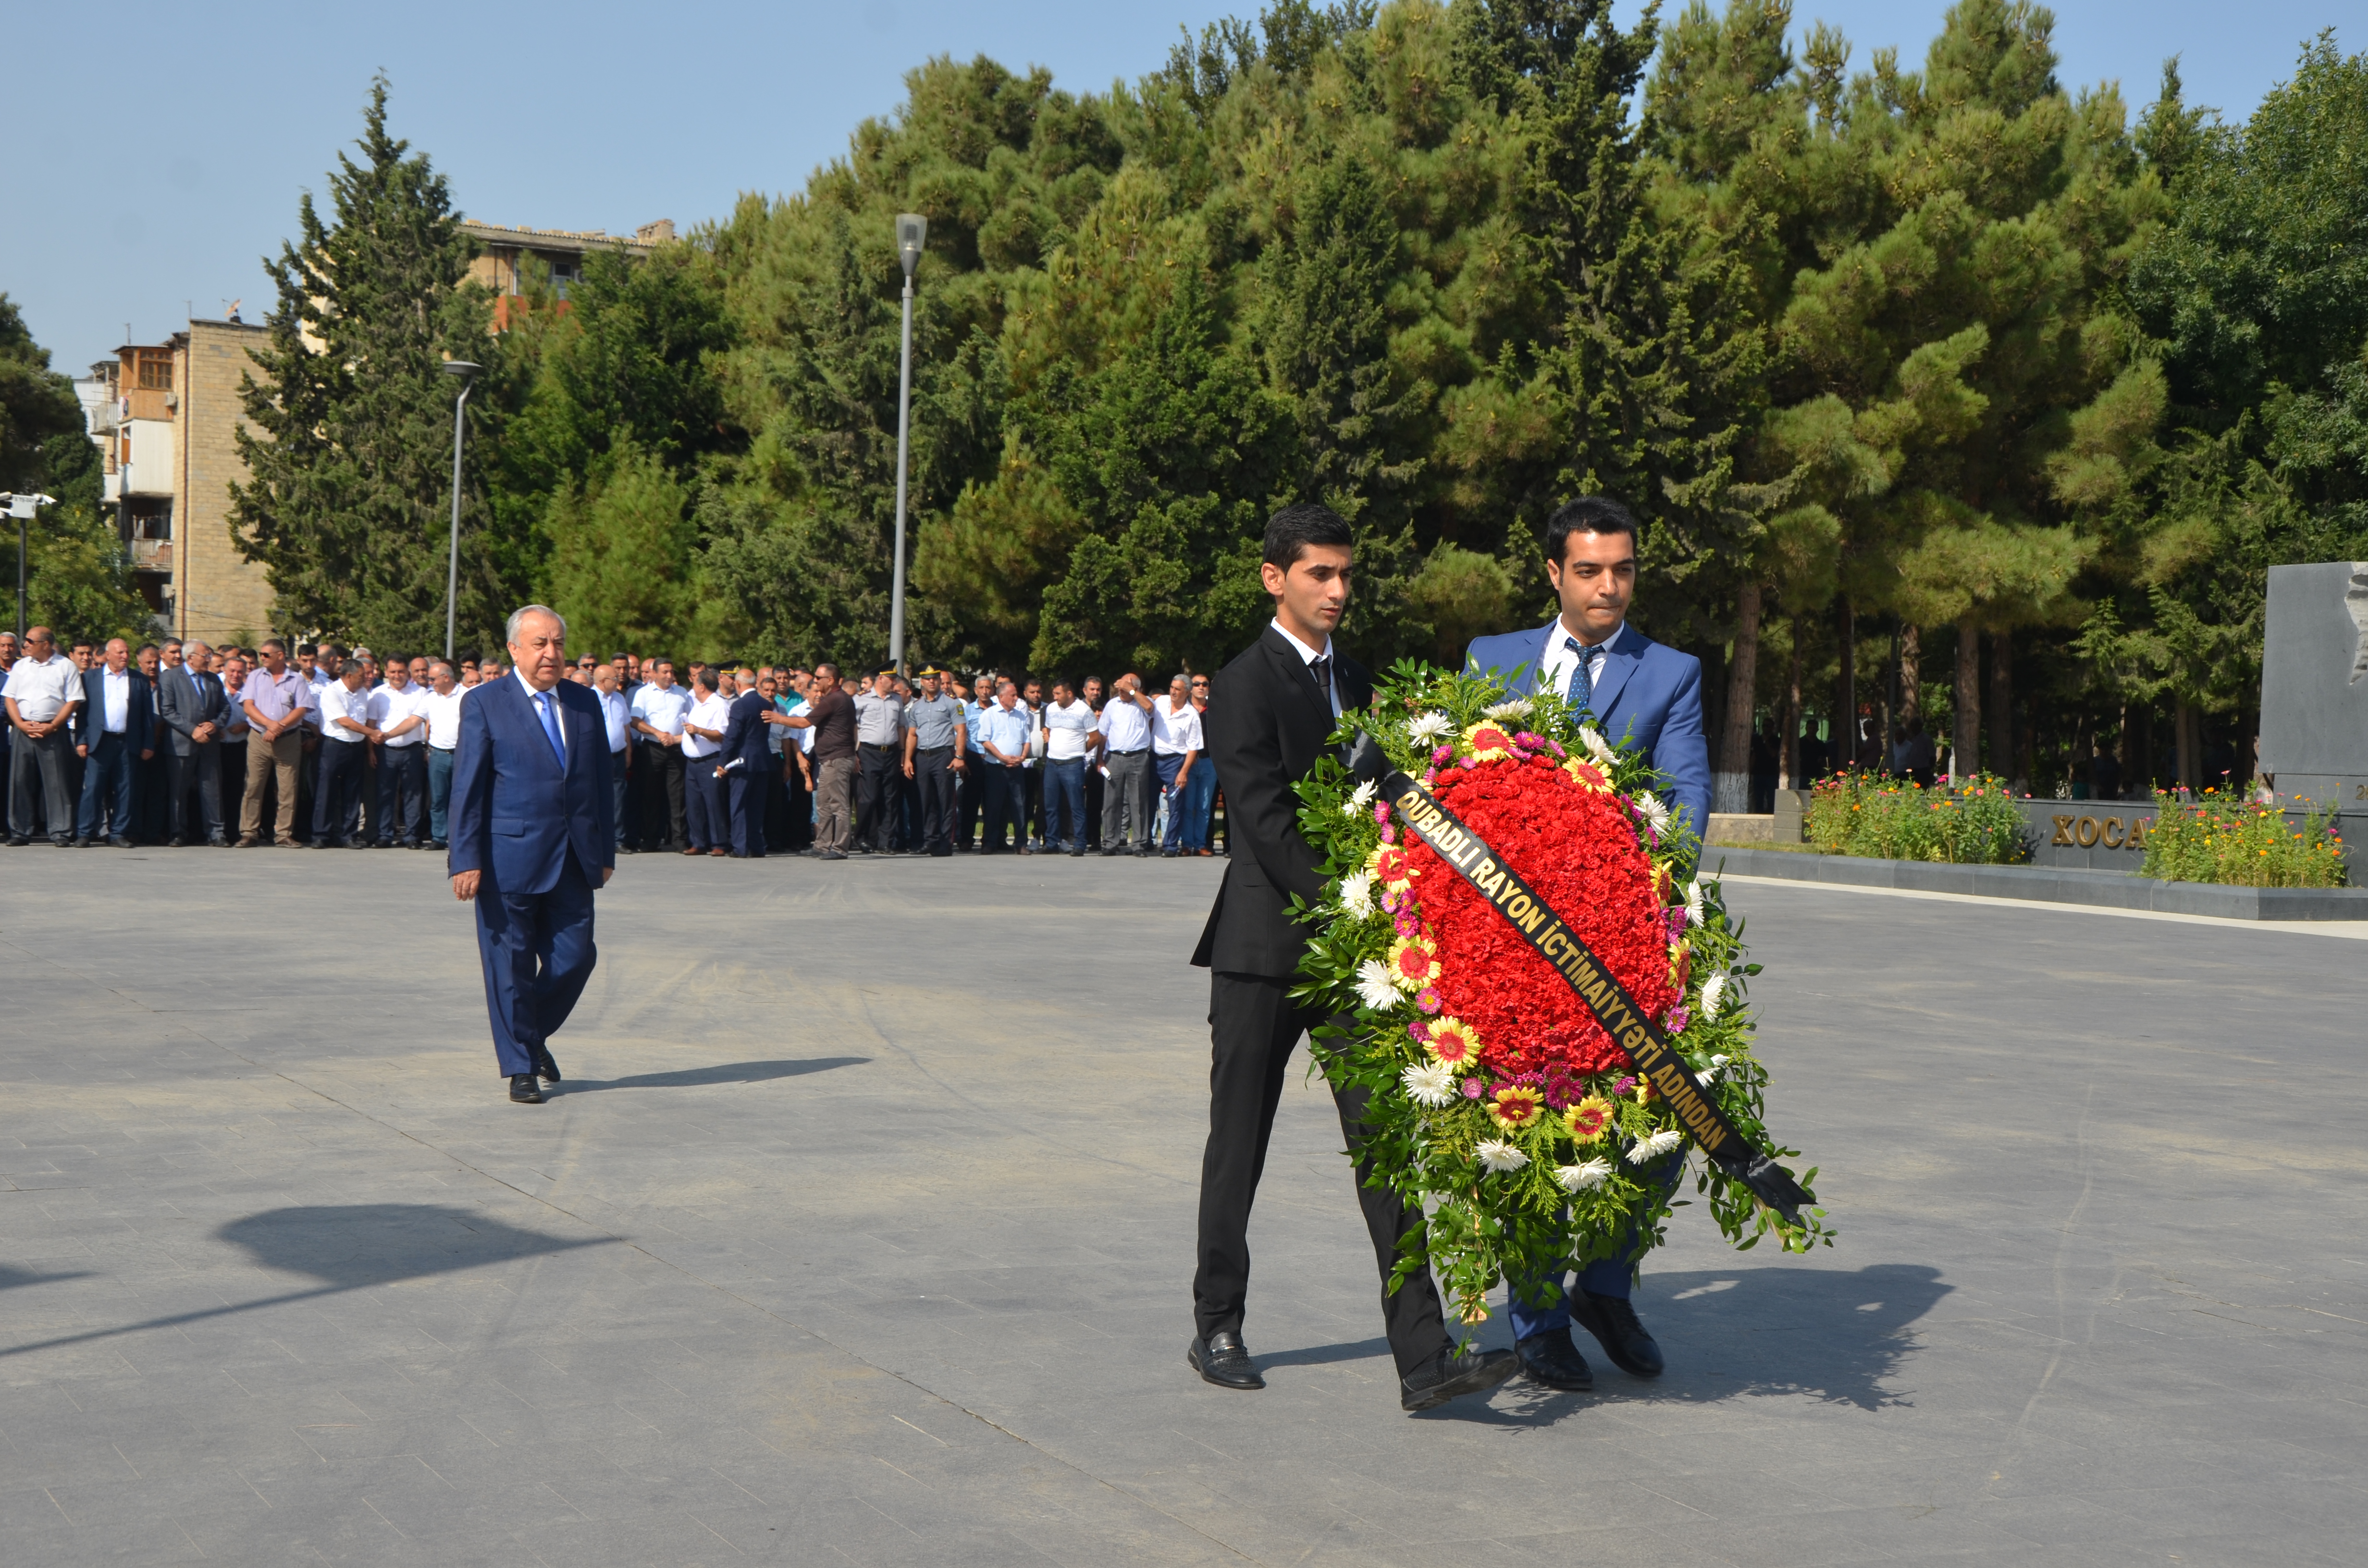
column 119, row 842
column 1451, row 1376
column 545, row 1064
column 1613, row 1323
column 1223, row 1360
column 1551, row 1360
column 524, row 1090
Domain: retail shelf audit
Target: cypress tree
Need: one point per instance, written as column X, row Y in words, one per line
column 346, row 502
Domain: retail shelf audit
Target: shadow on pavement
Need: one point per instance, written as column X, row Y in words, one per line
column 1834, row 1335
column 728, row 1072
column 12, row 1277
column 348, row 1247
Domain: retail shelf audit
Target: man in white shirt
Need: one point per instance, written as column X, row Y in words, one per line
column 617, row 713
column 707, row 827
column 1126, row 763
column 1175, row 749
column 1070, row 740
column 42, row 689
column 398, row 712
column 657, row 713
column 119, row 715
column 346, row 735
column 443, row 707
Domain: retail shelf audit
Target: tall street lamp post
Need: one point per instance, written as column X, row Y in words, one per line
column 912, row 229
column 23, row 508
column 468, row 374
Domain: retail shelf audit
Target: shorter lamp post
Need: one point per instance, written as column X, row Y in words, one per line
column 912, row 230
column 468, row 374
column 24, row 508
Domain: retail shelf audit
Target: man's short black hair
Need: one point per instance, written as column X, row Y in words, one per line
column 1592, row 515
column 1289, row 531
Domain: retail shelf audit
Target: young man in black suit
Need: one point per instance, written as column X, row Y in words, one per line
column 1277, row 705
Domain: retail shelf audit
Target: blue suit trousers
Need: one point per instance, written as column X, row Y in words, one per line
column 703, row 820
column 538, row 953
column 106, row 776
column 747, row 790
column 1605, row 1277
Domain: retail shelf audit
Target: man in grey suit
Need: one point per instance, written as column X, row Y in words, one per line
column 190, row 700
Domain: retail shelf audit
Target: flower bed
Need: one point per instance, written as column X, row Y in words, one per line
column 2221, row 838
column 1499, row 1100
column 1972, row 822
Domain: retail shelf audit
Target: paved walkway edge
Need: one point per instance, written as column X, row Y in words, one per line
column 2046, row 884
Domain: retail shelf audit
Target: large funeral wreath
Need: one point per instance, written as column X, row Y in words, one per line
column 1498, row 1101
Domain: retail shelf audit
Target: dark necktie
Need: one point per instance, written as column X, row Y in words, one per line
column 1322, row 670
column 1581, row 696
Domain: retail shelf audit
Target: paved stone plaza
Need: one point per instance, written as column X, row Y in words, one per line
column 861, row 1234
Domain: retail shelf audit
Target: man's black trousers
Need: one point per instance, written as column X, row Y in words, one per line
column 401, row 795
column 876, row 807
column 200, row 773
column 1252, row 1028
column 934, row 777
column 662, row 805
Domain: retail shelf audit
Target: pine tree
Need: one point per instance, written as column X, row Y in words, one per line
column 346, row 504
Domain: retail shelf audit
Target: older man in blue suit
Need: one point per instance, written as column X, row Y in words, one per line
column 1648, row 696
column 532, row 837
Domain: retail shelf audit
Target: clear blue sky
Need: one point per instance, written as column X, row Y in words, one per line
column 150, row 153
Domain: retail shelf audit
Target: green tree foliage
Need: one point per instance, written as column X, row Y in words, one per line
column 77, row 580
column 346, row 504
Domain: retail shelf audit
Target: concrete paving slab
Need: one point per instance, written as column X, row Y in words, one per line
column 861, row 1229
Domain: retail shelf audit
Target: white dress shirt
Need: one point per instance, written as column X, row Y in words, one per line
column 618, row 712
column 443, row 711
column 1065, row 728
column 1308, row 655
column 389, row 708
column 42, row 687
column 535, row 699
column 1173, row 734
column 116, row 690
column 1558, row 661
column 1125, row 726
column 337, row 703
column 708, row 713
column 661, row 710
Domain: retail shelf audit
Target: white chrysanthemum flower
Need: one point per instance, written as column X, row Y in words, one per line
column 1360, row 800
column 1511, row 708
column 1429, row 1084
column 1645, row 1150
column 1430, row 726
column 1718, row 1064
column 1649, row 806
column 1375, row 989
column 1713, row 992
column 1597, row 747
column 1580, row 1176
column 1356, row 893
column 1694, row 902
column 1500, row 1156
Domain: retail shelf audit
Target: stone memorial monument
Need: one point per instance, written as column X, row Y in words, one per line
column 2314, row 692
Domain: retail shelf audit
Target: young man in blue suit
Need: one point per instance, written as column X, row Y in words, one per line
column 1640, row 695
column 532, row 837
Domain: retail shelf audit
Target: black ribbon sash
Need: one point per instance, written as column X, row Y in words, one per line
column 1596, row 985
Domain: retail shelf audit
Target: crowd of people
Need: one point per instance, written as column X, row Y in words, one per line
column 180, row 743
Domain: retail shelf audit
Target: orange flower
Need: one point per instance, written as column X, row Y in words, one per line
column 1488, row 741
column 1455, row 1043
column 1516, row 1105
column 1413, row 961
column 1590, row 1119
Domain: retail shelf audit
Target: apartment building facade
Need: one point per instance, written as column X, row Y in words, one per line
column 165, row 417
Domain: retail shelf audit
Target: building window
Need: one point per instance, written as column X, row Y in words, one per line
column 156, row 373
column 152, row 520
